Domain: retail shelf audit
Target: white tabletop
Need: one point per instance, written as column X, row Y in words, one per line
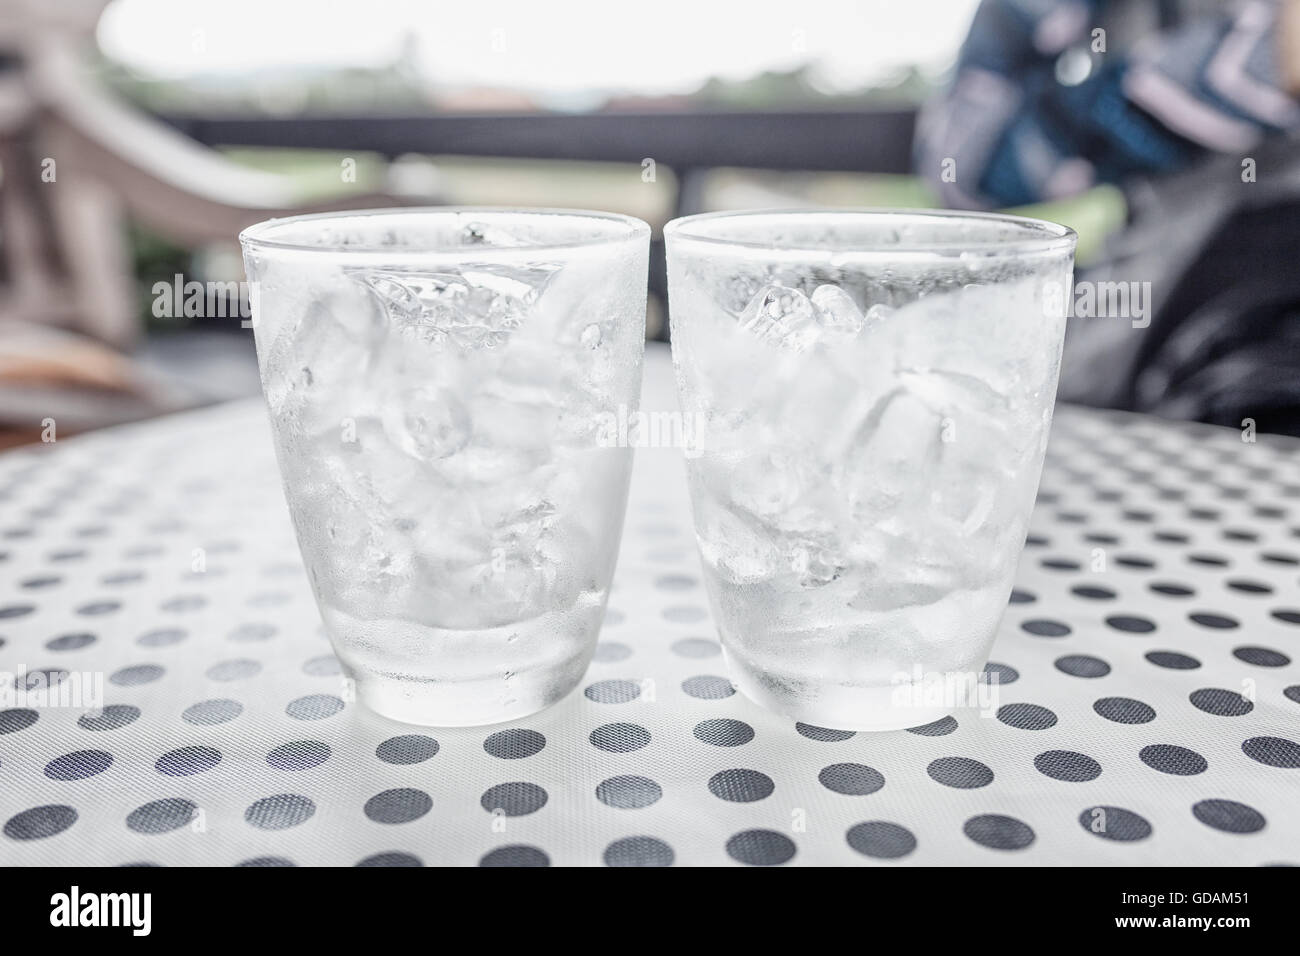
column 1148, row 668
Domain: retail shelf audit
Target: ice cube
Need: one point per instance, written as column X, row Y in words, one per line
column 767, row 484
column 525, row 571
column 385, row 564
column 426, row 422
column 418, row 304
column 878, row 313
column 967, row 501
column 837, row 313
column 315, row 358
column 983, row 450
column 783, row 317
column 905, row 562
column 511, row 587
column 891, row 455
column 976, row 331
column 473, row 308
column 735, row 291
column 523, row 283
column 816, row 562
column 517, row 520
column 951, row 393
column 737, row 545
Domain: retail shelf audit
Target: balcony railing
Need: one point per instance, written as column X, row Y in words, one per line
column 687, row 142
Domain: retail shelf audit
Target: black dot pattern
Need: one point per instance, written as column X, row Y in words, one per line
column 881, row 839
column 515, row 855
column 280, row 811
column 851, row 779
column 417, row 748
column 619, row 738
column 999, row 832
column 1229, row 816
column 761, row 848
column 824, row 734
column 1082, row 665
column 630, row 792
column 1141, row 697
column 1124, row 710
column 1219, row 701
column 638, row 851
column 78, row 765
column 1280, row 752
column 299, row 755
column 740, row 785
column 1068, row 766
column 998, row 673
column 963, row 773
column 398, row 805
column 513, row 744
column 168, row 814
column 515, row 799
column 391, row 858
column 1115, row 823
column 936, row 728
column 187, row 761
column 1026, row 716
column 1172, row 759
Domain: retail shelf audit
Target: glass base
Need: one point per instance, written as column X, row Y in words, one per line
column 430, row 703
column 837, row 706
column 446, row 677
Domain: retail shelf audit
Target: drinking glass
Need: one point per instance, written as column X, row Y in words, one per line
column 871, row 393
column 439, row 383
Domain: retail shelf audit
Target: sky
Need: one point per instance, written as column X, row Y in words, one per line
column 650, row 46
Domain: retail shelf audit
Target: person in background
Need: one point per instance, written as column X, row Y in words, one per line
column 1051, row 97
column 1191, row 107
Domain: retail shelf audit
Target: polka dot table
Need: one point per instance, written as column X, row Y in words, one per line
column 1148, row 706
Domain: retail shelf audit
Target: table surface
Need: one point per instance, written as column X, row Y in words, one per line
column 1149, row 698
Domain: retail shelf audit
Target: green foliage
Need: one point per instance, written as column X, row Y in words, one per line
column 155, row 259
column 1095, row 215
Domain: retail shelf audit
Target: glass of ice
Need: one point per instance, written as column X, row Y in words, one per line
column 438, row 382
column 871, row 393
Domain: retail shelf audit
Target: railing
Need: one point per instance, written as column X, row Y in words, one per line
column 687, row 142
column 820, row 140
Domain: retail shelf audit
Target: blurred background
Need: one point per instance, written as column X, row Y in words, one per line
column 137, row 137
